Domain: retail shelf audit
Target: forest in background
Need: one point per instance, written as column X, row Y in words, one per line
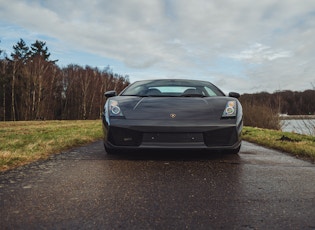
column 34, row 87
column 283, row 102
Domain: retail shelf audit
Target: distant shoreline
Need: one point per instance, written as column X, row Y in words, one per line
column 297, row 117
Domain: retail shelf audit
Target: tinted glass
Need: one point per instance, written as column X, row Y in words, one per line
column 172, row 88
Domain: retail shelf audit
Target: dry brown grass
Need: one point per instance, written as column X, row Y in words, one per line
column 296, row 144
column 24, row 142
column 260, row 116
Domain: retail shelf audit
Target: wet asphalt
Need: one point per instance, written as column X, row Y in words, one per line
column 85, row 188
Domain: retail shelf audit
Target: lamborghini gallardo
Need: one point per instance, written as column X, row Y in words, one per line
column 172, row 114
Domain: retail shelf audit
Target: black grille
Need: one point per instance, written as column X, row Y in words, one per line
column 173, row 137
column 221, row 137
column 124, row 137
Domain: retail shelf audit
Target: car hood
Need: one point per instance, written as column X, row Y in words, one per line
column 177, row 108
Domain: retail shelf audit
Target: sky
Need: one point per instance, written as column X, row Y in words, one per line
column 244, row 46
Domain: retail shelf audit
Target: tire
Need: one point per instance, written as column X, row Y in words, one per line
column 234, row 151
column 110, row 151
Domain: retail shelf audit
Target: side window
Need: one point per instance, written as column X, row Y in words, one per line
column 210, row 92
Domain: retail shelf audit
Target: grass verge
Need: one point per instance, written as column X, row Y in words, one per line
column 28, row 141
column 299, row 145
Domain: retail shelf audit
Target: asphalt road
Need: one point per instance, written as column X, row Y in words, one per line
column 88, row 189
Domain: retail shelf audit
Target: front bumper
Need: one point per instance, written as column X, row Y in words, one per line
column 135, row 134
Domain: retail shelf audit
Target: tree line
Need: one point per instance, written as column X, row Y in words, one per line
column 34, row 87
column 283, row 102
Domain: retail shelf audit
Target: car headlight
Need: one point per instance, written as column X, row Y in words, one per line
column 114, row 109
column 230, row 109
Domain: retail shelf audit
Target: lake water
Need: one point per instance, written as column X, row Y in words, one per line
column 302, row 126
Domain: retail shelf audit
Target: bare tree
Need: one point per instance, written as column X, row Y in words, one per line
column 34, row 87
column 40, row 64
column 4, row 82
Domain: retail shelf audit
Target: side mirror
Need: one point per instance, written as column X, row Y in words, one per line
column 233, row 94
column 111, row 93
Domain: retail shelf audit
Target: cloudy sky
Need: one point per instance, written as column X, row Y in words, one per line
column 240, row 45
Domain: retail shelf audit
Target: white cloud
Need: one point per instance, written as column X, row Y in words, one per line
column 259, row 53
column 268, row 39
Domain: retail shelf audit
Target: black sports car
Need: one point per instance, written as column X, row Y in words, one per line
column 167, row 114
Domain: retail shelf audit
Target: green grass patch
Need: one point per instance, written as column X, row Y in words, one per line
column 296, row 144
column 28, row 141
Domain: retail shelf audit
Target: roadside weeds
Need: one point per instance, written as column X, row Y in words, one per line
column 299, row 145
column 24, row 142
column 28, row 141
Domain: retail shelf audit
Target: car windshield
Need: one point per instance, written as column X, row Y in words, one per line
column 172, row 88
